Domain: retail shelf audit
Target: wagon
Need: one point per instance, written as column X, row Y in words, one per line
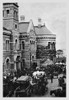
column 23, row 87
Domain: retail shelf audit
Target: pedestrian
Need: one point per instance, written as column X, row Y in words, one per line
column 51, row 78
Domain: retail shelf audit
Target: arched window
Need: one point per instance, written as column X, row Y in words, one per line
column 7, row 63
column 53, row 45
column 3, row 13
column 15, row 44
column 18, row 66
column 15, row 14
column 23, row 62
column 23, row 45
column 15, row 26
column 18, row 58
column 8, row 11
column 50, row 46
column 49, row 43
column 32, row 57
column 7, row 45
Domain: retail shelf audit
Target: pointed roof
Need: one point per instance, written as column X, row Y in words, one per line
column 23, row 27
column 42, row 30
column 8, row 3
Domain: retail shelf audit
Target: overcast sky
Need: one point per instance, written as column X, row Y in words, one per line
column 52, row 14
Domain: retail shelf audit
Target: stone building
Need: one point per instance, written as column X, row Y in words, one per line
column 6, row 49
column 19, row 40
column 46, row 42
column 27, row 40
column 11, row 51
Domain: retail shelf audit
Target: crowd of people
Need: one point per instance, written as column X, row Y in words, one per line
column 39, row 82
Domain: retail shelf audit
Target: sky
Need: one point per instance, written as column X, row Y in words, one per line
column 52, row 14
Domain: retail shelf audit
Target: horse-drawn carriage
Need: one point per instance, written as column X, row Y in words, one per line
column 23, row 87
column 26, row 86
column 20, row 87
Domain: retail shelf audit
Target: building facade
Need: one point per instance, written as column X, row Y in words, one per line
column 22, row 41
column 19, row 40
column 27, row 43
column 46, row 42
column 11, row 23
column 6, row 49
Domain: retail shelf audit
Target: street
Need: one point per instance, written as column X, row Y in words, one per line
column 51, row 86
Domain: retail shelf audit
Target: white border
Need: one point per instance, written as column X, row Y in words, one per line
column 1, row 48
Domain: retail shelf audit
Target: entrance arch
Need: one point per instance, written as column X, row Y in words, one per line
column 7, row 64
column 18, row 63
column 7, row 60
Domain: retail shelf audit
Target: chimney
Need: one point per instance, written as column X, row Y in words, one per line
column 39, row 22
column 22, row 18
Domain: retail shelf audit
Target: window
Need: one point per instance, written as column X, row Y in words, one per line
column 7, row 63
column 49, row 44
column 7, row 11
column 7, row 45
column 3, row 13
column 53, row 45
column 16, row 44
column 33, row 57
column 23, row 62
column 15, row 26
column 32, row 42
column 23, row 45
column 16, row 14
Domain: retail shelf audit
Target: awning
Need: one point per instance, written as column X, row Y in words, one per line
column 48, row 62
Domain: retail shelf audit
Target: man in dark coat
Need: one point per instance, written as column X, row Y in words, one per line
column 51, row 78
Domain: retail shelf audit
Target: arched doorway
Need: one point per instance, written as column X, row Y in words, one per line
column 23, row 45
column 7, row 64
column 18, row 63
column 15, row 44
